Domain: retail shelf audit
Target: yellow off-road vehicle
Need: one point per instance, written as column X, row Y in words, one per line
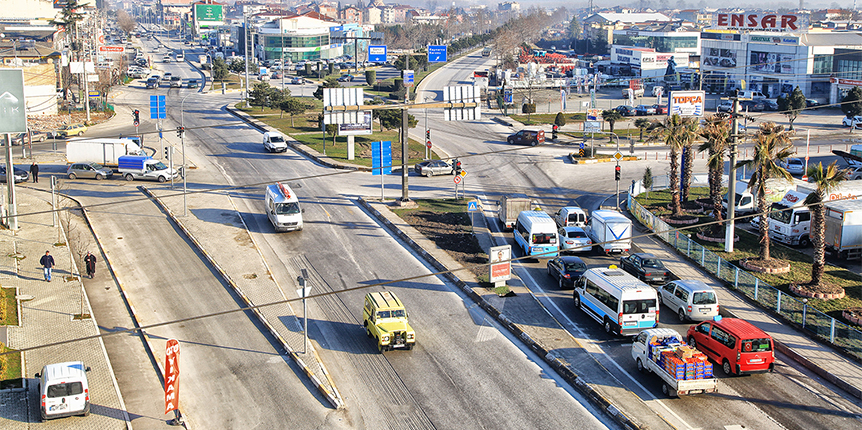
column 385, row 319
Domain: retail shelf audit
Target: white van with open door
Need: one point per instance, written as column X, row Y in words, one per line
column 282, row 208
column 63, row 390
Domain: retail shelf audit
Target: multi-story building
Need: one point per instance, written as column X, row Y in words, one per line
column 299, row 37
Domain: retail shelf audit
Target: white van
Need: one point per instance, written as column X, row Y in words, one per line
column 620, row 302
column 63, row 390
column 274, row 142
column 536, row 233
column 751, row 95
column 690, row 299
column 571, row 216
column 282, row 208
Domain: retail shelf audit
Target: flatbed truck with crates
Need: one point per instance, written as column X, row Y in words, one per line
column 682, row 369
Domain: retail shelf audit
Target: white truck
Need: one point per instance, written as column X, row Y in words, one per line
column 133, row 167
column 103, row 151
column 610, row 230
column 647, row 351
column 790, row 220
column 844, row 228
column 510, row 206
column 745, row 201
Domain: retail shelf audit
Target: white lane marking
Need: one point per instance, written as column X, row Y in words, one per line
column 583, row 336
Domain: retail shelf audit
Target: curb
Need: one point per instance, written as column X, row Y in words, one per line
column 562, row 368
column 333, row 398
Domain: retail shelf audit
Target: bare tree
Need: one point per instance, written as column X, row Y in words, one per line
column 125, row 22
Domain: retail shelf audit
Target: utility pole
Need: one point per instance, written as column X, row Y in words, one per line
column 245, row 37
column 731, row 178
column 404, row 171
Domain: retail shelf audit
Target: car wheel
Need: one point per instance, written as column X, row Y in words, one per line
column 72, row 176
column 725, row 365
column 534, row 143
column 42, row 139
column 162, row 179
column 804, row 242
column 691, row 342
column 550, row 272
column 428, row 174
column 577, row 300
column 100, row 176
column 129, row 177
column 561, row 283
column 607, row 325
column 80, row 133
column 641, row 367
column 681, row 315
column 665, row 389
column 510, row 141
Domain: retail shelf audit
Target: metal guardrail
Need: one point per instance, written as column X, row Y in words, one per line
column 787, row 306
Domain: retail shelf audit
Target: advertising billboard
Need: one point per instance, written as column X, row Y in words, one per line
column 686, row 103
column 771, row 62
column 760, row 21
column 209, row 15
column 716, row 57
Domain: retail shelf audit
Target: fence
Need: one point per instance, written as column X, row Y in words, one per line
column 787, row 306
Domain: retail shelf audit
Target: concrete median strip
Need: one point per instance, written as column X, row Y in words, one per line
column 326, row 386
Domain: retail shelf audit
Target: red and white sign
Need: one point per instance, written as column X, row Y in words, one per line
column 172, row 375
column 112, row 48
column 457, row 179
column 501, row 266
column 428, row 144
column 760, row 21
column 851, row 82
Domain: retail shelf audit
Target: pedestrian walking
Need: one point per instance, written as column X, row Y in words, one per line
column 90, row 262
column 34, row 171
column 47, row 262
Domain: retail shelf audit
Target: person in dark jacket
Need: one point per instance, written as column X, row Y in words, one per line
column 34, row 171
column 47, row 262
column 90, row 262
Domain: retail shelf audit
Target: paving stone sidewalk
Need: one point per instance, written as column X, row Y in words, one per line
column 47, row 315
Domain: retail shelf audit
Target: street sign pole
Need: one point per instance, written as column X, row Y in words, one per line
column 303, row 292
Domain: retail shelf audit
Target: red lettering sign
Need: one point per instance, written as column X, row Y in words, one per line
column 112, row 49
column 755, row 21
column 172, row 375
column 499, row 270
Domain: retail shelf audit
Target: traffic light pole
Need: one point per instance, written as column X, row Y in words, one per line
column 730, row 228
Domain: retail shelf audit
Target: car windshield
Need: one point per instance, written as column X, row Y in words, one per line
column 652, row 263
column 703, row 298
column 66, row 389
column 397, row 313
column 159, row 166
column 276, row 139
column 576, row 234
column 782, row 216
column 289, row 208
column 794, row 161
column 576, row 267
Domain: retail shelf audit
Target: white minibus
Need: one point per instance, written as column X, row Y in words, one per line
column 622, row 303
column 536, row 233
column 282, row 208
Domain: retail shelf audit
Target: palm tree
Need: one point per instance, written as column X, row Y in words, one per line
column 716, row 131
column 642, row 124
column 611, row 116
column 826, row 181
column 676, row 131
column 772, row 145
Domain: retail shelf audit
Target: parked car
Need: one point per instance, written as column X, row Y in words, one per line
column 725, row 106
column 346, row 78
column 770, row 105
column 20, row 174
column 71, row 130
column 643, row 110
column 660, row 109
column 433, row 167
column 193, row 83
column 527, row 137
column 794, row 166
column 35, row 136
column 689, row 299
column 566, row 270
column 276, row 75
column 646, row 267
column 297, row 80
column 812, row 104
column 751, row 106
column 88, row 170
column 855, row 173
column 263, row 77
column 574, row 239
column 850, row 122
column 625, row 110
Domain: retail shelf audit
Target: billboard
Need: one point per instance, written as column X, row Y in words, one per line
column 716, row 57
column 360, row 128
column 760, row 21
column 209, row 15
column 686, row 103
column 771, row 62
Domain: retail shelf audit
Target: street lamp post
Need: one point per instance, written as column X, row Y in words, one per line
column 183, row 145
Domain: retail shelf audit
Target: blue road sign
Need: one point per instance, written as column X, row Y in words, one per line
column 157, row 107
column 507, row 96
column 437, row 54
column 582, row 145
column 407, row 75
column 381, row 158
column 377, row 53
column 472, row 206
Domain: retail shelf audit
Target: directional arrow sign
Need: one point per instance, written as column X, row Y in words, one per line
column 437, row 54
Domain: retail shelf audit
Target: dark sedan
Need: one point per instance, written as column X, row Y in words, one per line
column 566, row 270
column 21, row 175
column 751, row 106
column 625, row 110
column 645, row 267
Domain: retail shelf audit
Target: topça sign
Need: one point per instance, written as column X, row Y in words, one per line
column 760, row 21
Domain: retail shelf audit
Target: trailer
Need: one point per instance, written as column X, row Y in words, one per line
column 610, row 230
column 510, row 206
column 682, row 369
column 844, row 228
column 103, row 151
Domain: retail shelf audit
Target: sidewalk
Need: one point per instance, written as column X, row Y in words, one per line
column 47, row 311
column 821, row 359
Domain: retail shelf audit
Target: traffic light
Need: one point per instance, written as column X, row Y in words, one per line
column 137, row 115
column 617, row 173
column 554, row 131
column 180, row 131
column 427, row 135
column 168, row 151
column 457, row 164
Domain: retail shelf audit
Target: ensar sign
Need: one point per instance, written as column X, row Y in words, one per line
column 756, row 21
